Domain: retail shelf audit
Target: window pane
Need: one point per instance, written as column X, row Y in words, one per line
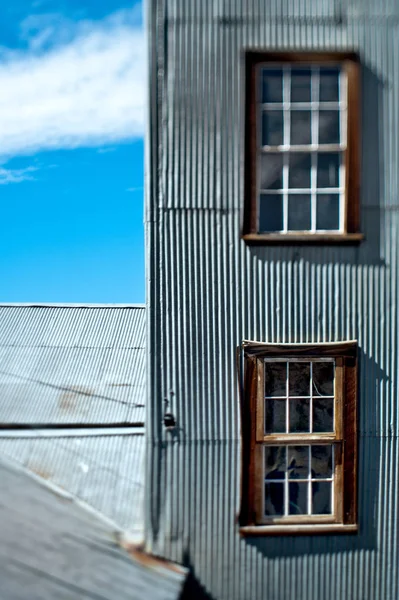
column 323, row 379
column 271, row 171
column 299, row 416
column 321, row 498
column 329, row 85
column 298, row 379
column 329, row 127
column 270, row 213
column 298, row 462
column 275, row 465
column 275, row 379
column 328, row 169
column 299, row 212
column 323, row 415
column 274, row 499
column 327, row 212
column 300, row 85
column 321, row 462
column 300, row 127
column 299, row 170
column 272, row 85
column 272, row 128
column 275, row 416
column 298, row 499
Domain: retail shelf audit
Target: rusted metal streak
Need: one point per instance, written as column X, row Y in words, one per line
column 71, row 389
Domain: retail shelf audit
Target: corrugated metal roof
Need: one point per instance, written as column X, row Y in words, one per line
column 72, row 364
column 105, row 471
column 50, row 548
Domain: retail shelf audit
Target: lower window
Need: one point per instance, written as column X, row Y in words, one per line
column 299, row 438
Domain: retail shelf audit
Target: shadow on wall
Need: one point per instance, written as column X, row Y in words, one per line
column 193, row 590
column 374, row 458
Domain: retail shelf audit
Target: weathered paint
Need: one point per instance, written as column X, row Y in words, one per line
column 207, row 292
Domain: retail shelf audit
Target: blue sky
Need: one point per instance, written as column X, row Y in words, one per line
column 72, row 106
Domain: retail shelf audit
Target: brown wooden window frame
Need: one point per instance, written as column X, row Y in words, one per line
column 254, row 439
column 350, row 64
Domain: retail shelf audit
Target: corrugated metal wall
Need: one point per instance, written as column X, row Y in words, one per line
column 208, row 291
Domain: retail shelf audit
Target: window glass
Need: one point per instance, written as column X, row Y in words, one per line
column 274, row 499
column 300, row 127
column 271, row 85
column 310, row 119
column 328, row 164
column 298, row 462
column 321, row 461
column 299, row 170
column 329, row 126
column 323, row 415
column 299, row 421
column 327, row 215
column 298, row 480
column 299, row 379
column 300, row 84
column 272, row 128
column 321, row 498
column 275, row 416
column 271, row 171
column 299, row 212
column 323, row 378
column 271, row 212
column 276, row 379
column 329, row 84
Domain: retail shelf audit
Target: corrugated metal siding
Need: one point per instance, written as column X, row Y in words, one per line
column 198, row 525
column 208, row 291
column 105, row 471
column 215, row 291
column 72, row 364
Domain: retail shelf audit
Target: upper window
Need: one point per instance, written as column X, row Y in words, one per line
column 299, row 458
column 302, row 148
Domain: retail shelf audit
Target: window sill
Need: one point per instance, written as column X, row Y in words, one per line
column 263, row 239
column 257, row 530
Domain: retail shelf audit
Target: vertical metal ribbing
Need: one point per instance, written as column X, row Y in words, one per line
column 219, row 291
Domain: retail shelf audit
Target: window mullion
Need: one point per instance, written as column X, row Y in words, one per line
column 343, row 121
column 311, row 399
column 287, row 405
column 287, row 429
column 315, row 142
column 286, row 486
column 286, row 140
column 309, row 480
column 334, row 481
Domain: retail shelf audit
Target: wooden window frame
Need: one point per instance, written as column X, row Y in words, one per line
column 351, row 65
column 344, row 438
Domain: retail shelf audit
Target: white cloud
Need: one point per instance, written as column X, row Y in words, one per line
column 135, row 189
column 16, row 175
column 77, row 84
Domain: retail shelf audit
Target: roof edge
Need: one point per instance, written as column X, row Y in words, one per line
column 70, row 305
